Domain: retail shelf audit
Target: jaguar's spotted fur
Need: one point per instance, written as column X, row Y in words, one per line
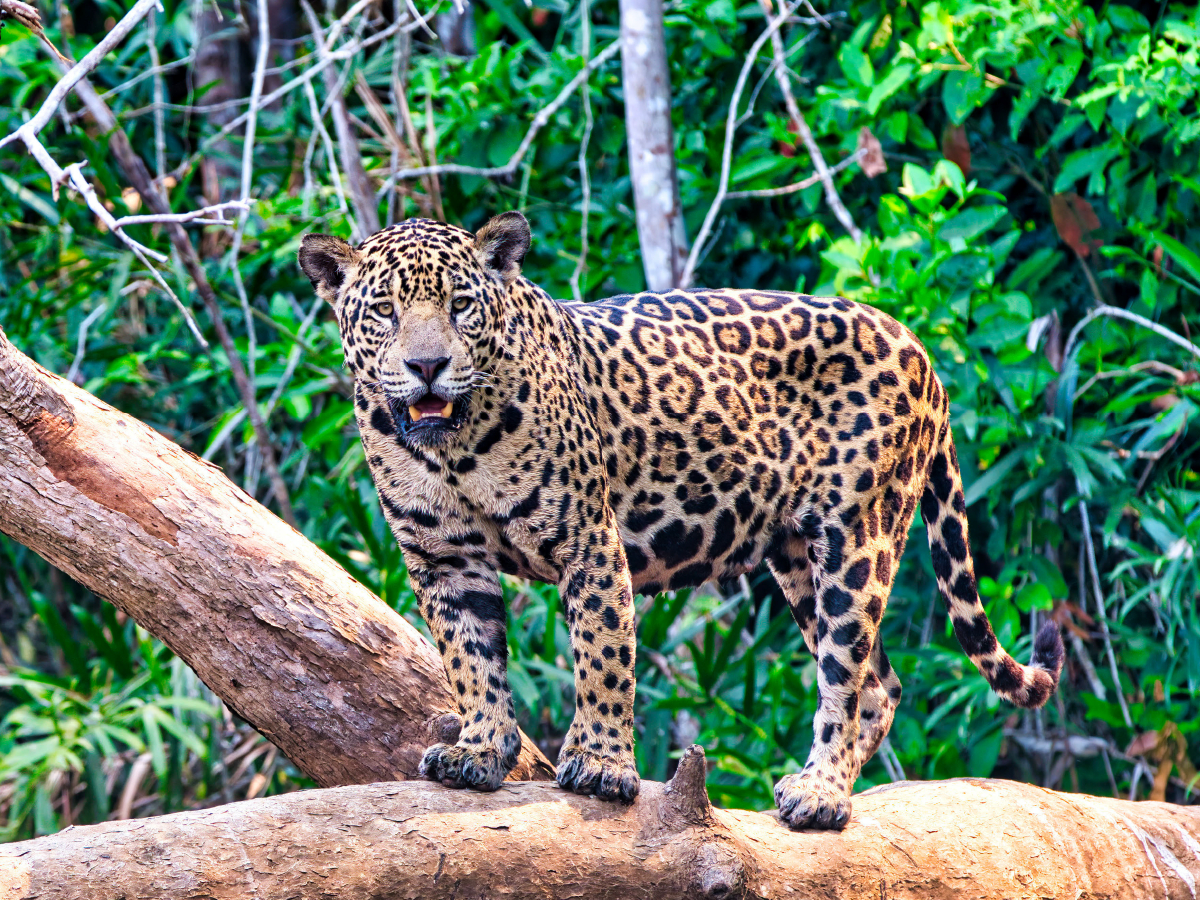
column 647, row 443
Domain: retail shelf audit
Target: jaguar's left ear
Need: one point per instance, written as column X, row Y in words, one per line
column 502, row 244
column 326, row 259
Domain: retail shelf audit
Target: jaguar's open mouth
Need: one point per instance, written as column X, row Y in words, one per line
column 431, row 407
column 430, row 419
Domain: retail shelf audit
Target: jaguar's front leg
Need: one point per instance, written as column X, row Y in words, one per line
column 464, row 609
column 597, row 594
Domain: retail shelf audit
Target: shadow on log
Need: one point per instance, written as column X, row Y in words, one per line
column 932, row 840
column 337, row 680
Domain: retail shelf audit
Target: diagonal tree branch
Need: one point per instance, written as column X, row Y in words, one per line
column 539, row 122
column 344, row 686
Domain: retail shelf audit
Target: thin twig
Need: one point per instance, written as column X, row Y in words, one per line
column 1101, row 612
column 1118, row 313
column 264, row 46
column 1152, row 364
column 160, row 140
column 434, row 180
column 585, row 177
column 818, row 160
column 399, row 85
column 539, row 122
column 81, row 342
column 195, row 216
column 799, row 185
column 689, row 268
column 153, row 72
column 330, row 158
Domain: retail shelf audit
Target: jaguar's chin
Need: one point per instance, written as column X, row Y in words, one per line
column 430, row 420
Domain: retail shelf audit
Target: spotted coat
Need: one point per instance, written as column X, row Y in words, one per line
column 646, row 443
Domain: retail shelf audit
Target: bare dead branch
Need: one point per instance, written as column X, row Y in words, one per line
column 195, row 217
column 264, row 46
column 799, row 185
column 315, row 69
column 539, row 121
column 731, row 124
column 824, row 173
column 1118, row 313
column 139, row 177
column 366, row 205
column 79, row 71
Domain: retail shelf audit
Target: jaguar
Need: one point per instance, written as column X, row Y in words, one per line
column 646, row 443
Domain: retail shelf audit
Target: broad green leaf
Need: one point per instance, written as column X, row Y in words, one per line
column 887, row 87
column 971, row 222
column 855, row 65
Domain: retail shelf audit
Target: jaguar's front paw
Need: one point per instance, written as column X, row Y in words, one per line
column 805, row 801
column 585, row 772
column 462, row 766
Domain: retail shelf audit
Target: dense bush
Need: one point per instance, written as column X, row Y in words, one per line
column 1041, row 165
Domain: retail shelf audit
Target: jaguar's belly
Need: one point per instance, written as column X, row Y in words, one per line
column 727, row 535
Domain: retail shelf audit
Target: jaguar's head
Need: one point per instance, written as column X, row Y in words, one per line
column 421, row 311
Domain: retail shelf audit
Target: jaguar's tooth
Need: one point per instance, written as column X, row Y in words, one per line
column 415, row 413
column 448, row 409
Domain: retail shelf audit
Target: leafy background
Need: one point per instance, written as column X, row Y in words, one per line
column 1041, row 162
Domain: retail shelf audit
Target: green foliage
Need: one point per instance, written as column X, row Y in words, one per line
column 1042, row 161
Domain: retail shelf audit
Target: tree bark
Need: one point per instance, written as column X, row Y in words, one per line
column 932, row 840
column 651, row 137
column 344, row 686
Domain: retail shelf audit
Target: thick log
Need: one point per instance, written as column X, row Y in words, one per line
column 952, row 839
column 346, row 688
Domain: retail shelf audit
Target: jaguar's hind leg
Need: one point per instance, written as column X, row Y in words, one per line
column 793, row 572
column 880, row 694
column 850, row 586
column 877, row 702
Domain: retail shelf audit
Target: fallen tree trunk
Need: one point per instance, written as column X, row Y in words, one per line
column 960, row 838
column 346, row 688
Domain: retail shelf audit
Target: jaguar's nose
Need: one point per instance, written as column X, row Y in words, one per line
column 427, row 369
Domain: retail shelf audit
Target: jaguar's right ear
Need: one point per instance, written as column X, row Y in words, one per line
column 325, row 259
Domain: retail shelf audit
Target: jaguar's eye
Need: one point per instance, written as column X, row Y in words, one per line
column 461, row 302
column 383, row 309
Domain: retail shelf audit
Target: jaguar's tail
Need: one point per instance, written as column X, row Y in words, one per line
column 944, row 510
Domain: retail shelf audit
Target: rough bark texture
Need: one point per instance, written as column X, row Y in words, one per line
column 652, row 143
column 338, row 681
column 952, row 839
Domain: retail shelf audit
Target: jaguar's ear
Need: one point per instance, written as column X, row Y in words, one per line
column 502, row 244
column 325, row 259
